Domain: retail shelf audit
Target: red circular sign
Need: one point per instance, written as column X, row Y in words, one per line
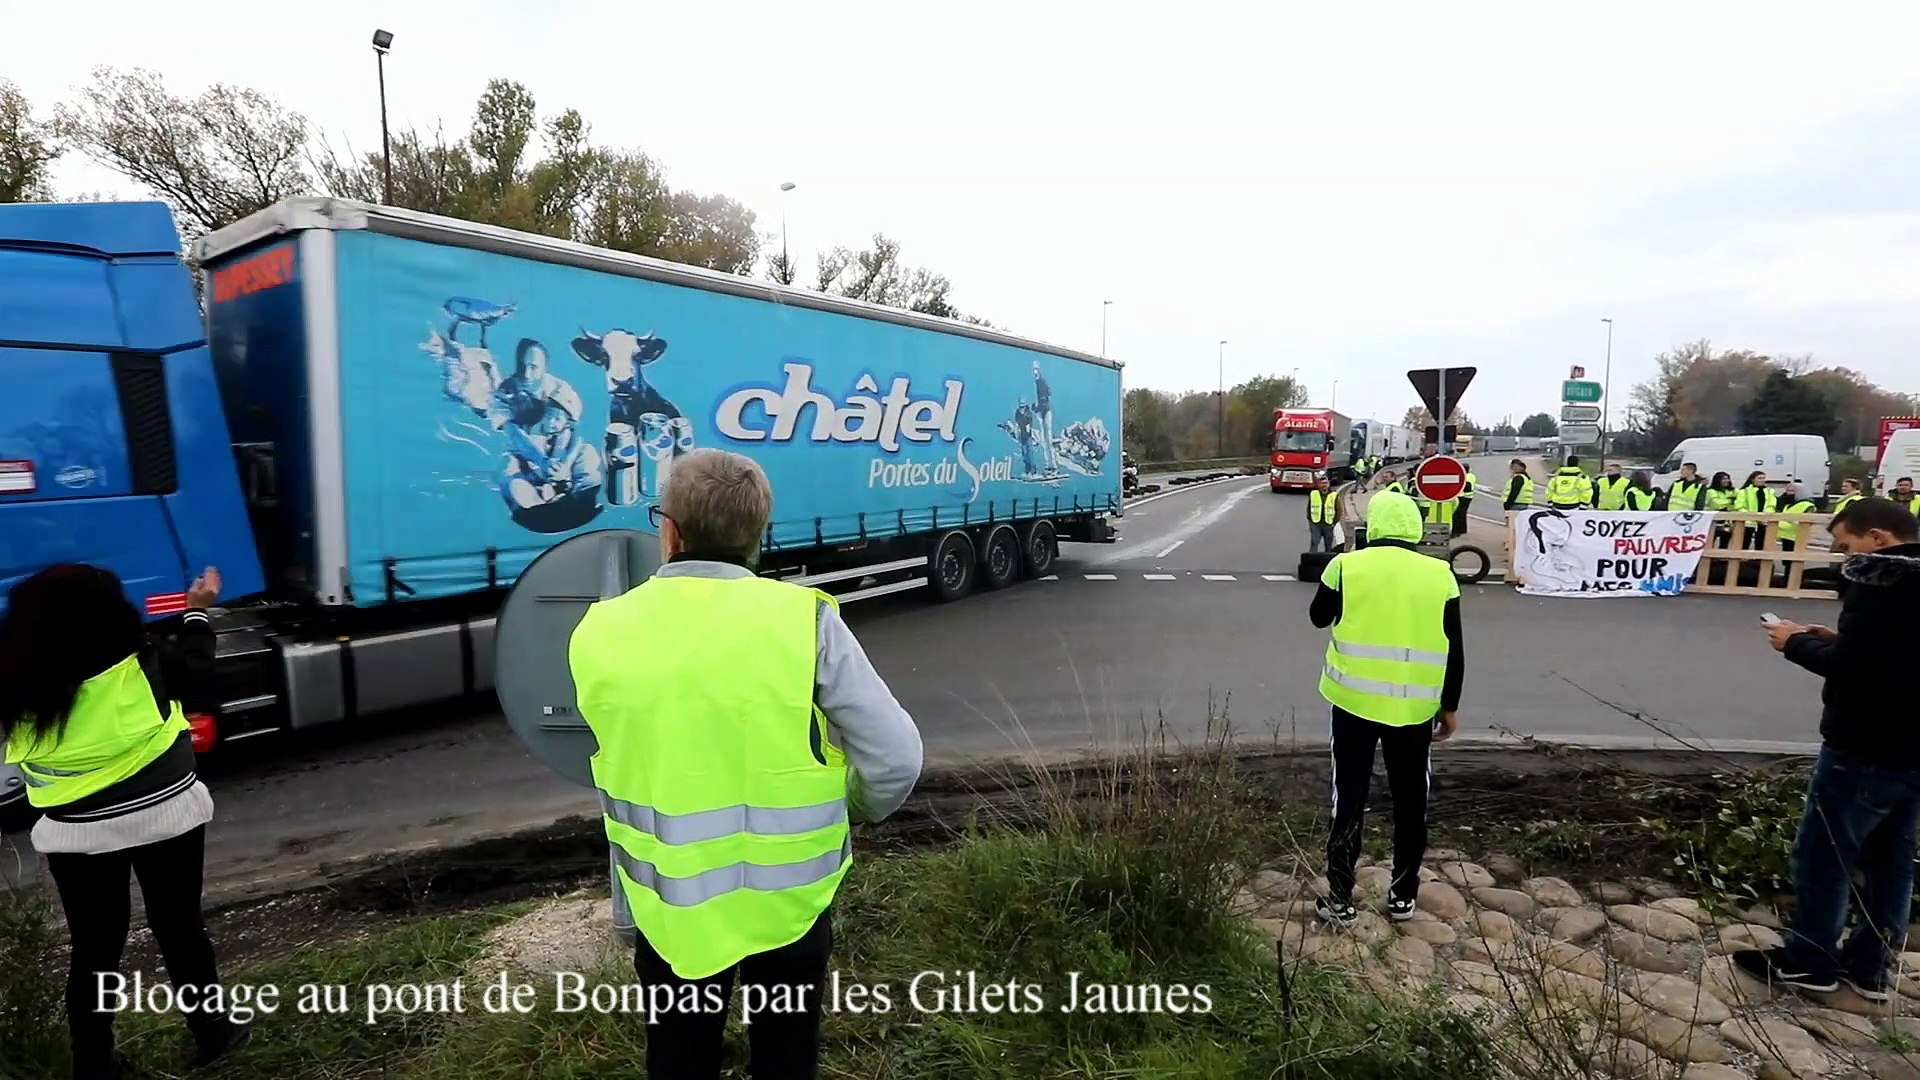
column 1440, row 478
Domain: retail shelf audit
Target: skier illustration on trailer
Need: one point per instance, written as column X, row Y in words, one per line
column 546, row 463
column 642, row 425
column 1043, row 420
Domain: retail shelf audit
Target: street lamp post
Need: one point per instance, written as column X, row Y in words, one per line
column 1104, row 305
column 1220, row 440
column 383, row 41
column 1606, row 394
column 1333, row 401
column 786, row 264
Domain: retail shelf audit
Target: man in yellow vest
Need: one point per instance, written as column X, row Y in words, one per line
column 1686, row 492
column 1393, row 674
column 1904, row 494
column 1324, row 507
column 1519, row 486
column 1571, row 488
column 1610, row 492
column 741, row 729
column 1849, row 494
column 1466, row 503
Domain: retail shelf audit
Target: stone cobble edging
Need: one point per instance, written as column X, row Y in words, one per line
column 1623, row 979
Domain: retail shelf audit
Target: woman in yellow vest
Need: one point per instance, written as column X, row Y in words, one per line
column 1719, row 498
column 90, row 713
column 1641, row 494
column 1849, row 494
column 1756, row 498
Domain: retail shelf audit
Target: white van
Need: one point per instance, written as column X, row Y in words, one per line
column 1901, row 459
column 1801, row 458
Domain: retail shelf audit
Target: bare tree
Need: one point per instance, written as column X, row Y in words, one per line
column 27, row 150
column 216, row 157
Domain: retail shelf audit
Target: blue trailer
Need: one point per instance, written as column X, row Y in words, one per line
column 386, row 415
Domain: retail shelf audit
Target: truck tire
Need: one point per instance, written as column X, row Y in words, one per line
column 1038, row 550
column 953, row 567
column 1000, row 558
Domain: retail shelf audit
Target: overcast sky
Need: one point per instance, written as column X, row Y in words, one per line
column 1349, row 190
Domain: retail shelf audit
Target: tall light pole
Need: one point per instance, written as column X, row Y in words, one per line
column 1606, row 394
column 1334, row 401
column 383, row 41
column 1104, row 305
column 786, row 264
column 1220, row 441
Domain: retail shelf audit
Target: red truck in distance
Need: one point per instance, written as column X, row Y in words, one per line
column 1307, row 445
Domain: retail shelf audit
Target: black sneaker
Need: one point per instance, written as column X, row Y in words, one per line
column 1770, row 966
column 1401, row 909
column 1337, row 912
column 1871, row 989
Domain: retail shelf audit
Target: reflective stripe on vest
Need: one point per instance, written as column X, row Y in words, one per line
column 1685, row 496
column 1387, row 657
column 1613, row 492
column 1321, row 505
column 725, row 804
column 112, row 732
column 1569, row 489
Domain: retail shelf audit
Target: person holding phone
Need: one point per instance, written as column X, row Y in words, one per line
column 1862, row 812
column 91, row 713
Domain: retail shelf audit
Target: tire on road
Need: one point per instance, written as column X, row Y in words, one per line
column 954, row 566
column 1038, row 548
column 1476, row 557
column 1001, row 558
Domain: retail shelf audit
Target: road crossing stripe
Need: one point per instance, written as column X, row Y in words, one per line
column 1276, row 577
column 1103, row 577
column 1051, row 577
column 1159, row 577
column 1218, row 577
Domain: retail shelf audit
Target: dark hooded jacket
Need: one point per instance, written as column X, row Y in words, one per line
column 1875, row 641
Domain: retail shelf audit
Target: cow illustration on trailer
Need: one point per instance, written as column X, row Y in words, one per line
column 643, row 427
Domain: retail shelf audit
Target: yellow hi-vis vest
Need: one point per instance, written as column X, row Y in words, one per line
column 1685, row 496
column 724, row 802
column 1846, row 501
column 1523, row 495
column 1473, row 482
column 1790, row 530
column 1613, row 492
column 1719, row 499
column 1321, row 506
column 1387, row 661
column 113, row 730
column 1570, row 488
column 1439, row 513
column 1641, row 500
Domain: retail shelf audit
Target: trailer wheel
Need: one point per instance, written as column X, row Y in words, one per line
column 1000, row 559
column 1039, row 549
column 952, row 568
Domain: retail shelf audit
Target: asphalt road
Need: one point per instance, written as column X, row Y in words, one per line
column 1195, row 604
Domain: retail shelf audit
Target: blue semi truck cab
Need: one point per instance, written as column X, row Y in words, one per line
column 383, row 416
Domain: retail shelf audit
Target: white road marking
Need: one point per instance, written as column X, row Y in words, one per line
column 1051, row 577
column 1218, row 577
column 1160, row 577
column 1199, row 518
column 1168, row 550
column 1277, row 577
column 1102, row 577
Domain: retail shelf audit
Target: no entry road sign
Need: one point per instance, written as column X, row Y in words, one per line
column 1440, row 478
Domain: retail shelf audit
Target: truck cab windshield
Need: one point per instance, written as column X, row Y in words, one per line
column 1302, row 442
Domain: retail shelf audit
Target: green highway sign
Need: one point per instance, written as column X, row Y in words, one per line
column 1579, row 390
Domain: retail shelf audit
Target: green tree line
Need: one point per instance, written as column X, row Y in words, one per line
column 1166, row 426
column 1699, row 390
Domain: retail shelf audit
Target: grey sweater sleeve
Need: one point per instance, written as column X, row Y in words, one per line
column 879, row 738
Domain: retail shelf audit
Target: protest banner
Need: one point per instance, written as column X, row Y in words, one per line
column 1612, row 553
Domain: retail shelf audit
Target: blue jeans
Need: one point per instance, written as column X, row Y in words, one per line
column 1860, row 819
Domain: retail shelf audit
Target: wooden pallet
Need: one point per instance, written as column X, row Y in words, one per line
column 1724, row 560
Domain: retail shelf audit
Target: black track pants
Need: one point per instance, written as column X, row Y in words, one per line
column 1408, row 753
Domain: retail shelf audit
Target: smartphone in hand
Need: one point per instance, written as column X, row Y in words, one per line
column 1769, row 619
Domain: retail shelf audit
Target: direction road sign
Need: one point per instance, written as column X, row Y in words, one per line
column 1440, row 478
column 1579, row 390
column 1580, row 435
column 1579, row 414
